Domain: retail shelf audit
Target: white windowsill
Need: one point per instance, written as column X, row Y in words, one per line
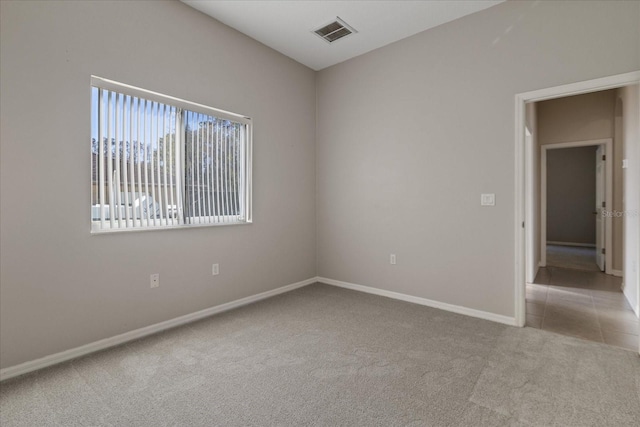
column 95, row 230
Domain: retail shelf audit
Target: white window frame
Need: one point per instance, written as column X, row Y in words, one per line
column 101, row 227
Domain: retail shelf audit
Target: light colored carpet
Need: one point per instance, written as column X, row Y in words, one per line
column 322, row 355
column 572, row 257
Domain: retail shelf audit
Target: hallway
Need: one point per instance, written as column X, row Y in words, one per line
column 582, row 304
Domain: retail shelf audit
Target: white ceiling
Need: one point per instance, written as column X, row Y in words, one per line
column 287, row 26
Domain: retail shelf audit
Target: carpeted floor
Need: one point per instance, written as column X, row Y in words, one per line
column 321, row 355
column 578, row 258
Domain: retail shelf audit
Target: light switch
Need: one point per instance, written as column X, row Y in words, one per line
column 488, row 199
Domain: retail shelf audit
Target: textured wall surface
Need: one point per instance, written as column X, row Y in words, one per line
column 410, row 135
column 62, row 287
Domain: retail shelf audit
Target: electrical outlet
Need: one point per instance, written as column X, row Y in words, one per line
column 154, row 280
column 392, row 259
column 215, row 269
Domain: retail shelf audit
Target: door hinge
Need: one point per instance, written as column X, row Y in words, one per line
column 522, row 224
column 604, row 204
column 603, row 251
column 604, row 157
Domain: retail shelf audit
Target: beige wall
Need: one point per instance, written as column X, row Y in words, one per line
column 576, row 118
column 571, row 195
column 62, row 287
column 580, row 118
column 410, row 135
column 629, row 98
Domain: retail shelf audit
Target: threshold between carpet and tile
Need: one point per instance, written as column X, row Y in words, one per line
column 322, row 355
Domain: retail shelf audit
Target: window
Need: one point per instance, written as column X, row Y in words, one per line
column 161, row 162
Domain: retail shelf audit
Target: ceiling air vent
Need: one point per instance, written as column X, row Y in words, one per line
column 335, row 30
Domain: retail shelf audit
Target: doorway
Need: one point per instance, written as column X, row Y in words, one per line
column 575, row 231
column 528, row 248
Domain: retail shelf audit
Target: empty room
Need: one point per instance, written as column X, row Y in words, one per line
column 322, row 213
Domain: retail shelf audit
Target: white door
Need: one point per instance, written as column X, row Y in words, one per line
column 599, row 208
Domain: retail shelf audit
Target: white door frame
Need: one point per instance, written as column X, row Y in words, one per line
column 522, row 197
column 531, row 269
column 608, row 178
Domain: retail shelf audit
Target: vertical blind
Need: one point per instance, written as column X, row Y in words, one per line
column 157, row 164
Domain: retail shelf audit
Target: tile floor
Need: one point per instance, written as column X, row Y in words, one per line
column 582, row 304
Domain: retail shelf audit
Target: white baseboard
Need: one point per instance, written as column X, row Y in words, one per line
column 33, row 365
column 579, row 245
column 633, row 304
column 511, row 321
column 617, row 273
column 535, row 273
